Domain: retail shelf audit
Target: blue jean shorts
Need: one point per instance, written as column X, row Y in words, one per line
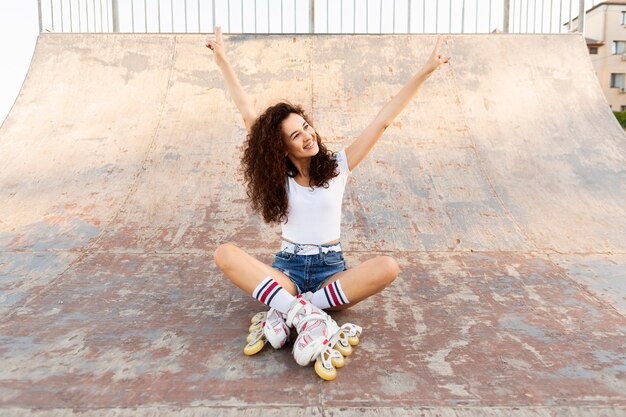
column 309, row 272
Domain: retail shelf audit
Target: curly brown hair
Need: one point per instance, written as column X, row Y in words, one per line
column 265, row 166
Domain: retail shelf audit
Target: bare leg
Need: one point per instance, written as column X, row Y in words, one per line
column 247, row 272
column 366, row 279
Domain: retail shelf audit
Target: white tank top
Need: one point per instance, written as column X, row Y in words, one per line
column 314, row 214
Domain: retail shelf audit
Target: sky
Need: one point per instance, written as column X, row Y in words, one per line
column 19, row 24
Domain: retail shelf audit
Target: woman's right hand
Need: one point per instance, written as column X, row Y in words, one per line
column 217, row 45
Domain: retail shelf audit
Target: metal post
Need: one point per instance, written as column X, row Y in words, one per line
column 542, row 8
column 408, row 18
column 489, row 24
column 159, row 14
column 570, row 16
column 268, row 16
column 505, row 23
column 463, row 17
column 116, row 15
column 52, row 14
column 39, row 11
column 551, row 7
column 311, row 16
column 581, row 17
column 512, row 21
column 61, row 15
column 476, row 26
column 71, row 18
column 526, row 27
column 560, row 15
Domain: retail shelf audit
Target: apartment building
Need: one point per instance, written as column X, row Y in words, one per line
column 605, row 33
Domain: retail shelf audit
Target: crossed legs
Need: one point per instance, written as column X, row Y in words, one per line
column 358, row 283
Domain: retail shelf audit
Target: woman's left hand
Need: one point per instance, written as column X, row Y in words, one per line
column 436, row 59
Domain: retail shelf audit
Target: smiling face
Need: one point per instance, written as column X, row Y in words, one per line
column 300, row 138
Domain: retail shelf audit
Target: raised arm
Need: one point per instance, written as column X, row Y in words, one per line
column 243, row 102
column 359, row 149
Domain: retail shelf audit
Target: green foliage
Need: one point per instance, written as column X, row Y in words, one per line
column 621, row 118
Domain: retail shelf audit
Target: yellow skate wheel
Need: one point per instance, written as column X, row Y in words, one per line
column 258, row 317
column 336, row 359
column 353, row 340
column 322, row 372
column 338, row 362
column 254, row 327
column 344, row 350
column 254, row 348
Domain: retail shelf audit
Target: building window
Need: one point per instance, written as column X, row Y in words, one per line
column 622, row 108
column 593, row 50
column 617, row 80
column 618, row 47
column 623, row 18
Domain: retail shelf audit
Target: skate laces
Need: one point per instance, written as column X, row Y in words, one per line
column 315, row 329
column 304, row 312
column 274, row 320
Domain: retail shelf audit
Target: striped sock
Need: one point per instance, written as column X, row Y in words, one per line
column 271, row 293
column 330, row 296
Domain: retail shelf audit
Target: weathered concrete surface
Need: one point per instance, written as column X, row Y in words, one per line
column 500, row 191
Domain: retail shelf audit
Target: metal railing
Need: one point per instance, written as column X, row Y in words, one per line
column 311, row 16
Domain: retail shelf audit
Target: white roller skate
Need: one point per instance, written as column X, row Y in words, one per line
column 266, row 327
column 319, row 339
column 347, row 336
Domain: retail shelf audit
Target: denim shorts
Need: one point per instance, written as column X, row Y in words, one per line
column 309, row 272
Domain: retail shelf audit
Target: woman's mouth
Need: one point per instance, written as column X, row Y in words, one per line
column 310, row 146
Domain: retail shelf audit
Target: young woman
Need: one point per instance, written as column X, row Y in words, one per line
column 293, row 179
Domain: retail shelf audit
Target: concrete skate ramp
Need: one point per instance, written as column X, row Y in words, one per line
column 500, row 190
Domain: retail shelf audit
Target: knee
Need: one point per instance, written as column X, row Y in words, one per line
column 391, row 269
column 223, row 255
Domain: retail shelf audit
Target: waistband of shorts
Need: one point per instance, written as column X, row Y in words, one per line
column 299, row 249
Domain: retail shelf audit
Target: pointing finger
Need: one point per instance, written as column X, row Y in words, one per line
column 218, row 34
column 438, row 44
